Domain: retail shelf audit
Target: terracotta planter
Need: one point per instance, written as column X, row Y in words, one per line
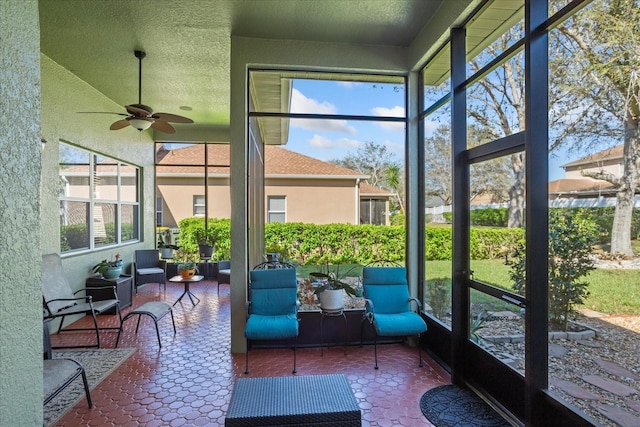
column 187, row 274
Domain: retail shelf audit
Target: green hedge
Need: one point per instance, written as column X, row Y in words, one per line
column 352, row 244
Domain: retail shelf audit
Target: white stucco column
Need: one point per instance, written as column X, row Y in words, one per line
column 21, row 365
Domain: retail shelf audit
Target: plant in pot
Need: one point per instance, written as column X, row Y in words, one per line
column 109, row 269
column 206, row 242
column 330, row 290
column 186, row 264
column 166, row 249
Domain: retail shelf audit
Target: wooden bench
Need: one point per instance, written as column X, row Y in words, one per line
column 154, row 309
column 313, row 400
column 58, row 374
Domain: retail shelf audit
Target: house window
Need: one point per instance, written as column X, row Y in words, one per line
column 159, row 204
column 276, row 209
column 372, row 211
column 199, row 206
column 99, row 200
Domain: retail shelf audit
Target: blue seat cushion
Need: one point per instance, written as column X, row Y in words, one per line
column 401, row 324
column 260, row 327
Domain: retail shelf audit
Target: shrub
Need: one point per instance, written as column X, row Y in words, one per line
column 571, row 239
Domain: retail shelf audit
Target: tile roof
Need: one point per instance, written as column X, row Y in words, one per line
column 278, row 161
column 367, row 189
column 565, row 185
column 608, row 154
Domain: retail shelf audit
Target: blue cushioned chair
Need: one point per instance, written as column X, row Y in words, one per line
column 272, row 308
column 388, row 305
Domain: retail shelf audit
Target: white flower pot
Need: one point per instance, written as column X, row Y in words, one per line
column 331, row 299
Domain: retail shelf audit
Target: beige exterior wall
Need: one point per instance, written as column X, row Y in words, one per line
column 317, row 201
column 307, row 200
column 177, row 195
column 613, row 167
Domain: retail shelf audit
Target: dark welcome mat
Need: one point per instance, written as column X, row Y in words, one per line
column 451, row 405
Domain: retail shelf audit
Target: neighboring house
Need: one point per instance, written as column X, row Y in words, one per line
column 577, row 189
column 298, row 188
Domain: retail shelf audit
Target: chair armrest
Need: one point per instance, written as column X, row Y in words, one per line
column 418, row 303
column 368, row 310
column 247, row 308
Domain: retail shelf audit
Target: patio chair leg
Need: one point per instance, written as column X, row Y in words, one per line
column 95, row 323
column 86, row 388
column 60, row 325
column 375, row 349
column 294, row 355
column 246, row 360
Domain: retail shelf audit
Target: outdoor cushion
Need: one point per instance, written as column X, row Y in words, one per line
column 401, row 324
column 151, row 270
column 261, row 327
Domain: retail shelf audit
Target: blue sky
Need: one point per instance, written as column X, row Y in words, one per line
column 332, row 139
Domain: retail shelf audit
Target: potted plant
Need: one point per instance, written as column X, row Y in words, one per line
column 186, row 264
column 109, row 269
column 206, row 242
column 166, row 249
column 330, row 290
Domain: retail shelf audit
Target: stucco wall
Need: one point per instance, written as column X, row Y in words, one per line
column 20, row 297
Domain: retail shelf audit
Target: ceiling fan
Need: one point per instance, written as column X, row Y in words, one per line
column 142, row 116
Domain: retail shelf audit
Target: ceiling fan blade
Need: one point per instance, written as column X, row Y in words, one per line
column 139, row 110
column 119, row 124
column 163, row 126
column 100, row 112
column 167, row 117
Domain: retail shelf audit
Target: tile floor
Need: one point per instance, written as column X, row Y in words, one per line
column 189, row 381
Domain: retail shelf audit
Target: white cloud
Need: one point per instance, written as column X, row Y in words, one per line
column 302, row 104
column 348, row 84
column 319, row 141
column 396, row 111
column 322, row 142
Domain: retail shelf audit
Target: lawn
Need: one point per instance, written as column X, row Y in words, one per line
column 615, row 291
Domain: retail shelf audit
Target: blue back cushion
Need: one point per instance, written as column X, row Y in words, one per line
column 387, row 288
column 273, row 292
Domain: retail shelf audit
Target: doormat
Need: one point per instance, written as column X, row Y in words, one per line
column 98, row 364
column 454, row 406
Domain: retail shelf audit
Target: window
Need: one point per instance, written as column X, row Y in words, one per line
column 276, row 209
column 199, row 206
column 159, row 205
column 372, row 211
column 99, row 200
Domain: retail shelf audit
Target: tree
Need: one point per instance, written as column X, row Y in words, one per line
column 384, row 171
column 496, row 105
column 596, row 70
column 490, row 178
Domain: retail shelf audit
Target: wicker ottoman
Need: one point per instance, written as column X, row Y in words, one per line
column 312, row 400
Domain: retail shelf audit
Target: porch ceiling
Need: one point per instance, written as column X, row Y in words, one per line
column 187, row 68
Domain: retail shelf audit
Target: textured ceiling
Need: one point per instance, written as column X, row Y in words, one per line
column 188, row 42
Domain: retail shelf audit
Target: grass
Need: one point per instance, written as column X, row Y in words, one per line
column 614, row 292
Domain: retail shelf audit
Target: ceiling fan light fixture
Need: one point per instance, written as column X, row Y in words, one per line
column 140, row 124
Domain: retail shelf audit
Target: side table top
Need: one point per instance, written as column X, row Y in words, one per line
column 179, row 278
